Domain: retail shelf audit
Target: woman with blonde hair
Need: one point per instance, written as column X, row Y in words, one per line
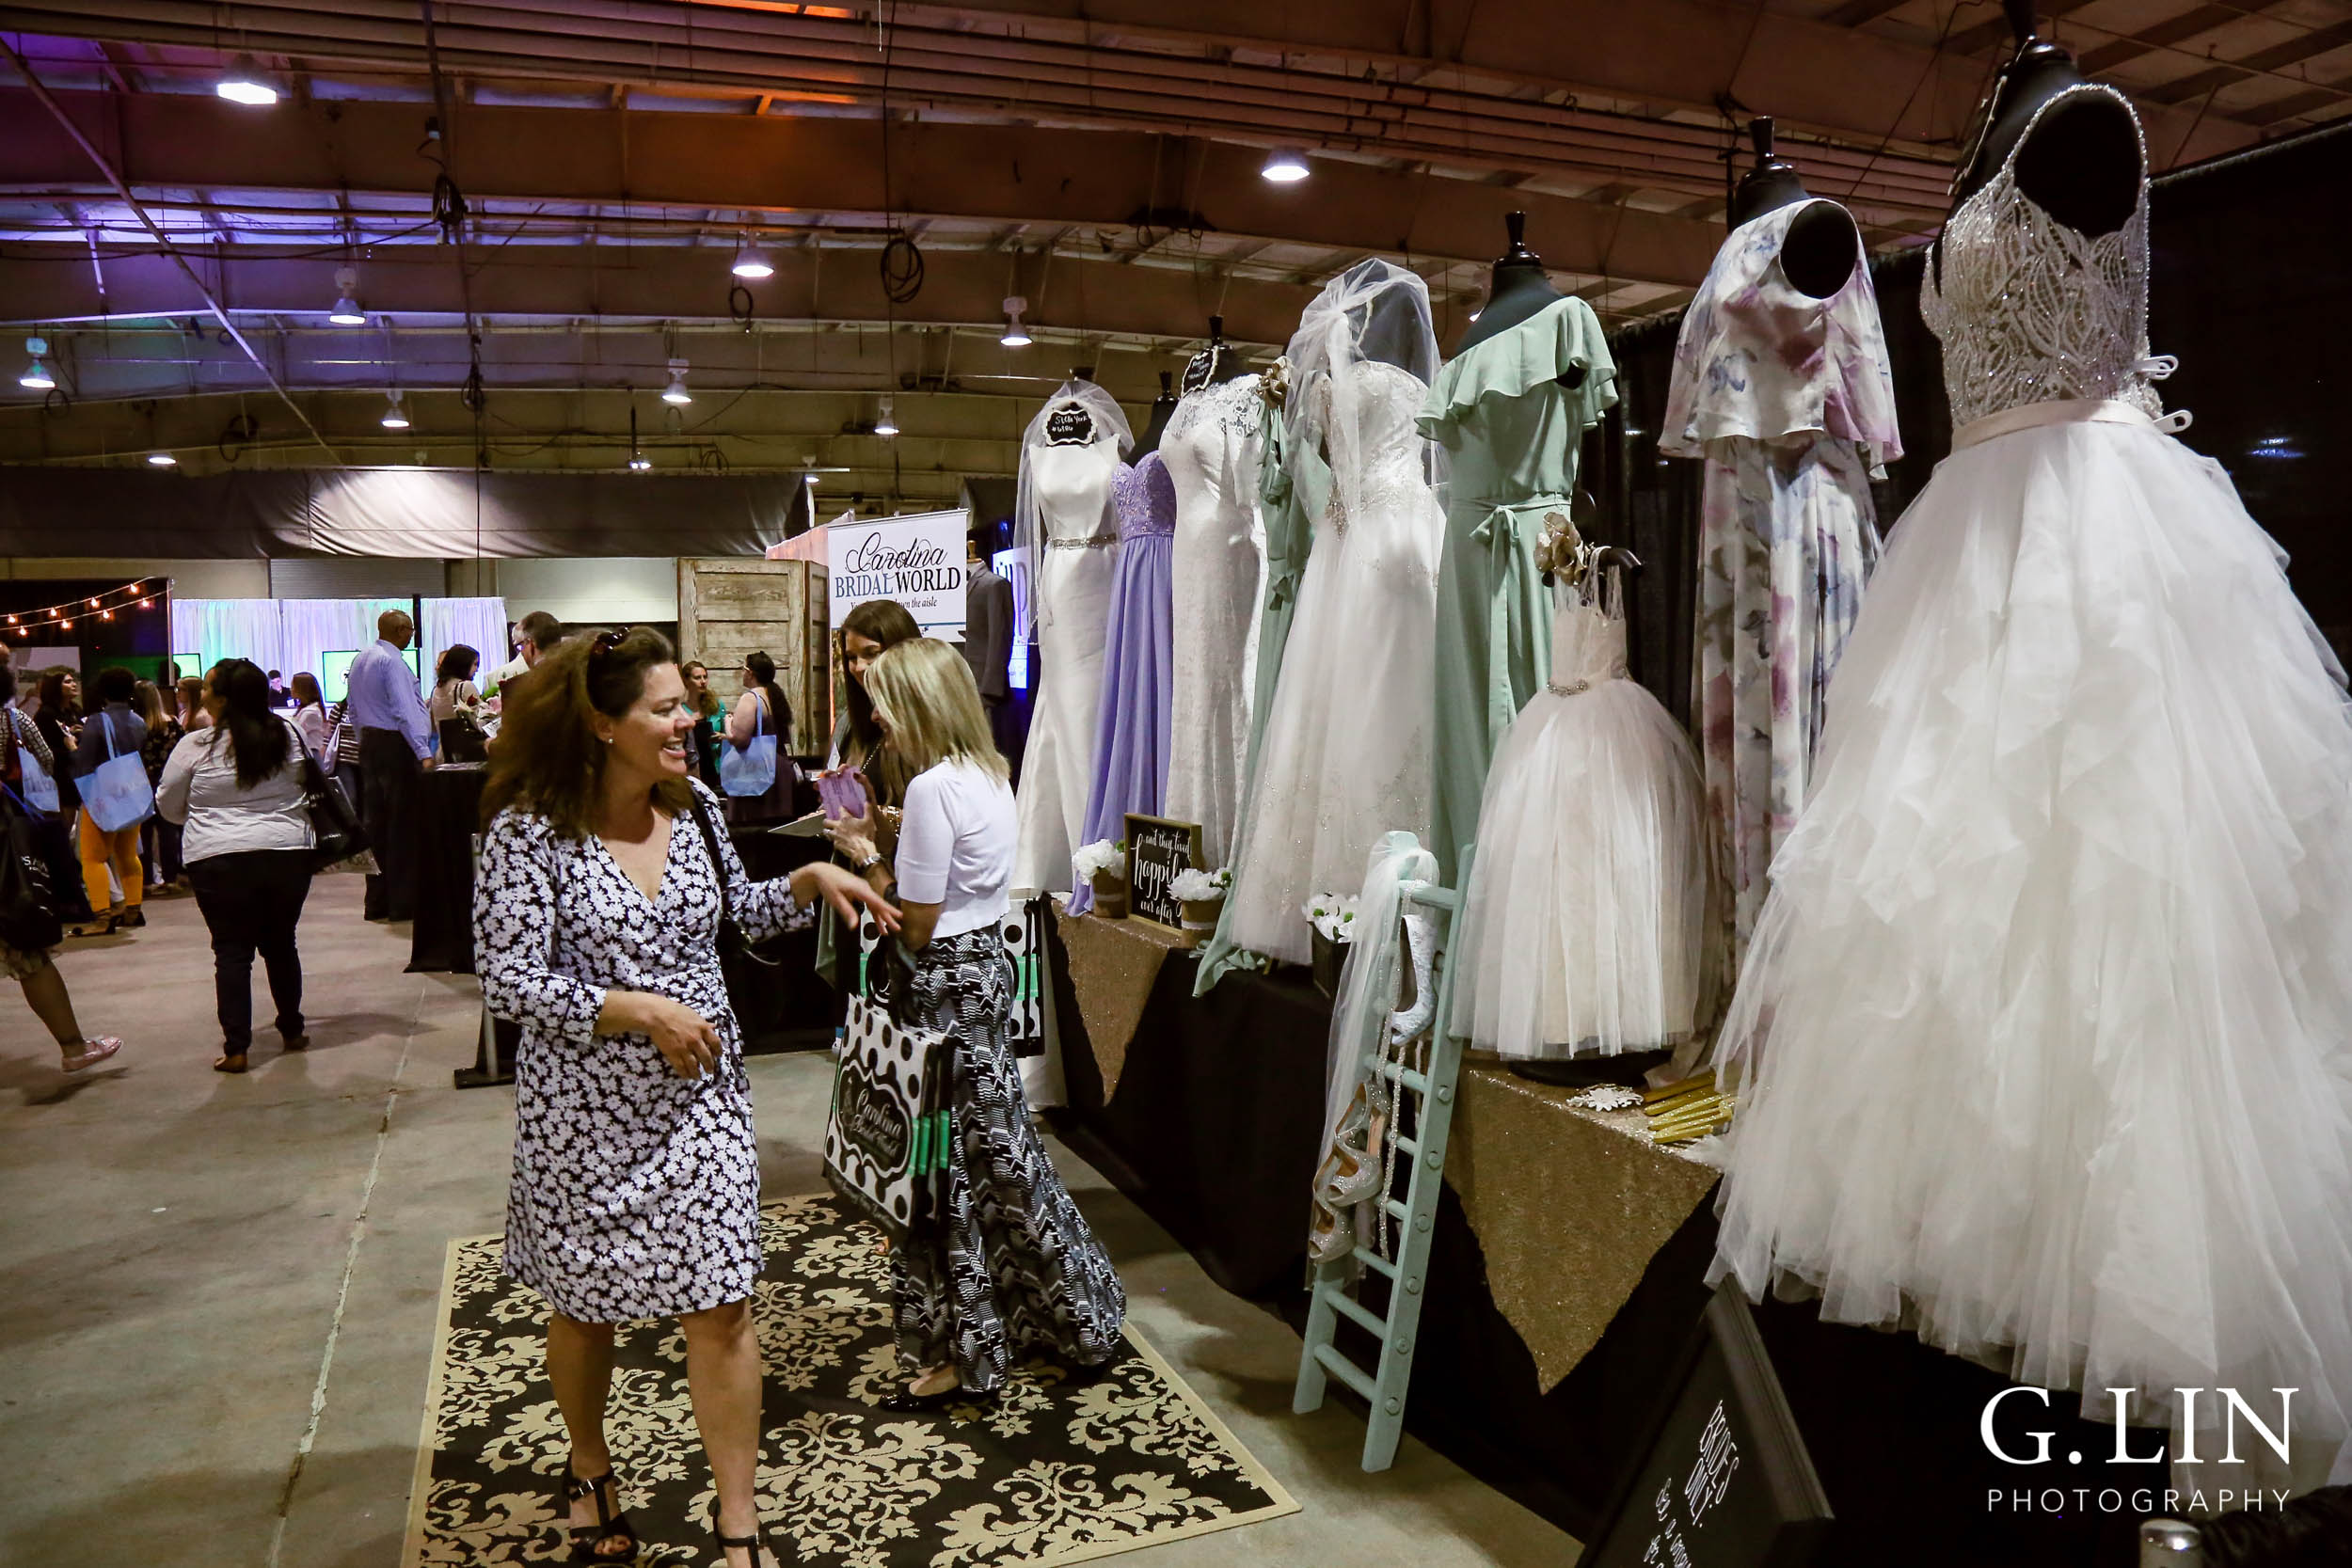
column 606, row 872
column 1011, row 1266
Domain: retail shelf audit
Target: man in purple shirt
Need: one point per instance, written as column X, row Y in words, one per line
column 395, row 747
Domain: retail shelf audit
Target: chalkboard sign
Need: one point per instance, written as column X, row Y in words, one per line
column 1156, row 850
column 1721, row 1479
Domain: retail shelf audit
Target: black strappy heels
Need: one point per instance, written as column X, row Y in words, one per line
column 610, row 1522
column 760, row 1557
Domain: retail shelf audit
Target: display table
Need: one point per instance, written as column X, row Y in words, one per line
column 1568, row 1268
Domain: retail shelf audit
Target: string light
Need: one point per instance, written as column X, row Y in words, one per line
column 60, row 616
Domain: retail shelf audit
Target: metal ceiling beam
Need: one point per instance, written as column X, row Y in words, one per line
column 1006, row 174
column 1690, row 54
column 66, row 126
column 48, row 284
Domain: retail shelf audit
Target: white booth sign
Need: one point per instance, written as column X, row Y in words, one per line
column 918, row 561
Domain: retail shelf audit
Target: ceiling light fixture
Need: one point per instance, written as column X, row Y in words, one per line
column 676, row 391
column 1016, row 335
column 750, row 262
column 395, row 416
column 639, row 461
column 244, row 83
column 162, row 459
column 346, row 311
column 1284, row 166
column 887, row 424
column 37, row 374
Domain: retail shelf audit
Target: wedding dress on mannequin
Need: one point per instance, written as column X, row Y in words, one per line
column 1346, row 751
column 1066, row 527
column 2044, row 1023
column 1212, row 452
column 1584, row 926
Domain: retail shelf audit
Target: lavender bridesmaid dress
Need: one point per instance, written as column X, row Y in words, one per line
column 1139, row 663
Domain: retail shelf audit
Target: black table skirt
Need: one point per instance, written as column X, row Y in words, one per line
column 448, row 810
column 1213, row 1131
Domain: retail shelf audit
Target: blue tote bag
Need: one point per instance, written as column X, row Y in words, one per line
column 751, row 767
column 116, row 794
column 40, row 790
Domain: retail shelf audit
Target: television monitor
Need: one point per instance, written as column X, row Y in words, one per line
column 335, row 670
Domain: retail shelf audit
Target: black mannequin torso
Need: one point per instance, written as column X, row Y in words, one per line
column 1819, row 251
column 2082, row 165
column 1520, row 290
column 1162, row 407
column 1215, row 363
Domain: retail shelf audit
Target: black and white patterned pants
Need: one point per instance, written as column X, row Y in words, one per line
column 1011, row 1267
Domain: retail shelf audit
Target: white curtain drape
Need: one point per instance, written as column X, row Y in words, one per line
column 479, row 624
column 293, row 635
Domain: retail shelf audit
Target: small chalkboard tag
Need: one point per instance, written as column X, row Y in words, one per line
column 1721, row 1477
column 1156, row 850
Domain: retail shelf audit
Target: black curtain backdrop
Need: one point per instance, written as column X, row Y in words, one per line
column 2246, row 273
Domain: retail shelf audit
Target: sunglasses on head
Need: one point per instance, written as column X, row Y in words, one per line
column 606, row 641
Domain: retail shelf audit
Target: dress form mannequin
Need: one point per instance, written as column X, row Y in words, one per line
column 2082, row 165
column 1819, row 252
column 1520, row 289
column 1162, row 407
column 1216, row 362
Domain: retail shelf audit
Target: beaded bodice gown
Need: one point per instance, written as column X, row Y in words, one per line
column 2045, row 1026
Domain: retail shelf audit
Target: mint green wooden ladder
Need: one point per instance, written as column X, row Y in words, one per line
column 1319, row 1359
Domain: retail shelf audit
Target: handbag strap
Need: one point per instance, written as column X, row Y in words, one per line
column 718, row 865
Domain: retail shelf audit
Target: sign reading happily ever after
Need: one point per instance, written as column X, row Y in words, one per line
column 1158, row 848
column 917, row 559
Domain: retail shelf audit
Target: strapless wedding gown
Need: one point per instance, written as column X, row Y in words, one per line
column 2047, row 1013
column 1586, row 924
column 1346, row 753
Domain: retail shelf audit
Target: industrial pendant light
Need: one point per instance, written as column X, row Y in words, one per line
column 162, row 460
column 1284, row 166
column 637, row 461
column 750, row 262
column 395, row 416
column 244, row 83
column 676, row 391
column 887, row 423
column 346, row 311
column 37, row 374
column 1016, row 335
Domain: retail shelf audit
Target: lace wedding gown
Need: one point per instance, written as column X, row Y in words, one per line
column 1346, row 753
column 1586, row 919
column 1212, row 449
column 2046, row 1015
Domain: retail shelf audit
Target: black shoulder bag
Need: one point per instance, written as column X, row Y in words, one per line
column 334, row 825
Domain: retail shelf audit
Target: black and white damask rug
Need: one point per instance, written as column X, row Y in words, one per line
column 1050, row 1472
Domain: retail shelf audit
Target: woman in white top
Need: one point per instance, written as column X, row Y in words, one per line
column 309, row 714
column 248, row 845
column 1012, row 1268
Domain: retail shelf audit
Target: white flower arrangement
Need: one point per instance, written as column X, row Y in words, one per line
column 1330, row 915
column 1193, row 885
column 1099, row 857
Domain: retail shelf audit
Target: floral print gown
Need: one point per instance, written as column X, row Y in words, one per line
column 635, row 1191
column 1789, row 400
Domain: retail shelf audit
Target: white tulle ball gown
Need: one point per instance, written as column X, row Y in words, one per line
column 1588, row 894
column 2046, row 1021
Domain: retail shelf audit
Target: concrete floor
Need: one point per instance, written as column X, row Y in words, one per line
column 218, row 1296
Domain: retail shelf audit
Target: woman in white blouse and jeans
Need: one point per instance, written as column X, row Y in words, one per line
column 1012, row 1266
column 247, row 849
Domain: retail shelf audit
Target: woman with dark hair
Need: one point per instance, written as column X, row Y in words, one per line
column 159, row 839
column 237, row 787
column 709, row 714
column 309, row 714
column 636, row 1185
column 453, row 685
column 33, row 969
column 114, row 731
column 868, row 631
column 761, row 710
column 58, row 714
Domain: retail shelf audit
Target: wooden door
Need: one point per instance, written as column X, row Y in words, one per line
column 729, row 606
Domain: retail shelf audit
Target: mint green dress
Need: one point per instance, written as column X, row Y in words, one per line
column 1513, row 434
